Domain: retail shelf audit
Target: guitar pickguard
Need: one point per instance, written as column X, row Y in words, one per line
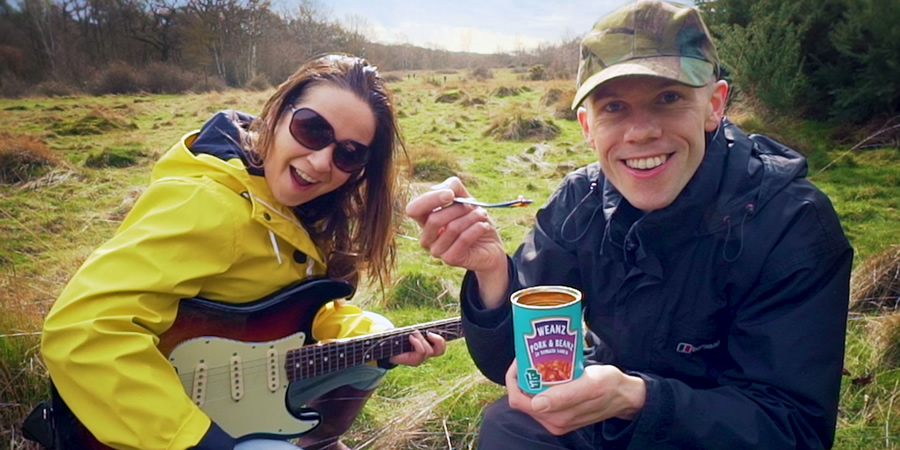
column 242, row 386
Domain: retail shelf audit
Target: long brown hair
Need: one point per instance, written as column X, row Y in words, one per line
column 352, row 224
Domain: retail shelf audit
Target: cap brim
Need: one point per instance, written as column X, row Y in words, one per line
column 690, row 71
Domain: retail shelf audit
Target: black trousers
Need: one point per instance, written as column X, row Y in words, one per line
column 505, row 428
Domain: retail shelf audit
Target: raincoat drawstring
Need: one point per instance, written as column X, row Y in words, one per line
column 748, row 209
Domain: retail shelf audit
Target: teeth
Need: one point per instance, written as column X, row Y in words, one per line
column 646, row 163
column 303, row 176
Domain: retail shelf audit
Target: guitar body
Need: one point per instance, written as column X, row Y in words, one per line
column 225, row 356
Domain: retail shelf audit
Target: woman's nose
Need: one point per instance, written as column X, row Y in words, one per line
column 321, row 160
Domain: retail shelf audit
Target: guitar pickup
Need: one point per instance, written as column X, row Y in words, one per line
column 237, row 377
column 198, row 390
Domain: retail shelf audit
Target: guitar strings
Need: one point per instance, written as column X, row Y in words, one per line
column 334, row 356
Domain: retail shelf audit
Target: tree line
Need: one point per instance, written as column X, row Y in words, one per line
column 822, row 59
column 235, row 41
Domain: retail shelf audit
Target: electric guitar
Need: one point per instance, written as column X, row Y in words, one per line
column 237, row 363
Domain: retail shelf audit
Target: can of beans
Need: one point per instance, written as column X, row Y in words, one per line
column 548, row 336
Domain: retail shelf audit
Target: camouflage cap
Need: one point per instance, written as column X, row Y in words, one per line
column 647, row 37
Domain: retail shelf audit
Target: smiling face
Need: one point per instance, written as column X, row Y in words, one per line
column 649, row 134
column 296, row 174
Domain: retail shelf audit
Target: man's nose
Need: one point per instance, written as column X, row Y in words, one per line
column 643, row 126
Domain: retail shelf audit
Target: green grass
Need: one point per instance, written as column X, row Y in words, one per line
column 49, row 225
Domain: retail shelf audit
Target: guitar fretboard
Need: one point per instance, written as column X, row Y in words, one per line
column 319, row 359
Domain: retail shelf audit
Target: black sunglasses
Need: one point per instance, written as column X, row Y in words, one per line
column 312, row 131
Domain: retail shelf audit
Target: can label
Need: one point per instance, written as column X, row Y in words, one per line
column 547, row 327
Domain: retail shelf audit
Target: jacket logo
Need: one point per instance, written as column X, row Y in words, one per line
column 684, row 347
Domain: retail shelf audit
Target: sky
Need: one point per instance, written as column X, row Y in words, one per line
column 481, row 26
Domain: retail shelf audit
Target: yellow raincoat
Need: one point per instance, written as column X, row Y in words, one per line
column 204, row 227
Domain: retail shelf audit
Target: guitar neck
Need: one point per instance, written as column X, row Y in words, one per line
column 322, row 358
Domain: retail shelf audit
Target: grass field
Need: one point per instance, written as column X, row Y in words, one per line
column 503, row 136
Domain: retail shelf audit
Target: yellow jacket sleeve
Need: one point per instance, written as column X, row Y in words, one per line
column 100, row 336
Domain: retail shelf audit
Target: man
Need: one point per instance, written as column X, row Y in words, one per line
column 715, row 276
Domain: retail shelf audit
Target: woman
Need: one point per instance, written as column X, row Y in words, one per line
column 233, row 213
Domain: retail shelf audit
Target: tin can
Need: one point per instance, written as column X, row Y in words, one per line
column 548, row 336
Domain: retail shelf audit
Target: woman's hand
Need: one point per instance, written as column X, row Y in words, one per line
column 423, row 348
column 462, row 236
column 601, row 392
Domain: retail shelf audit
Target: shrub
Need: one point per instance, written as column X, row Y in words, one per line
column 54, row 89
column 23, row 158
column 450, row 96
column 258, row 83
column 506, row 91
column 518, row 128
column 118, row 78
column 208, row 84
column 162, row 78
column 537, row 72
column 561, row 103
column 12, row 86
column 481, row 73
column 431, row 164
column 765, row 55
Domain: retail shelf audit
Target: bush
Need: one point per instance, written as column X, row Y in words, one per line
column 161, row 78
column 208, row 84
column 481, row 73
column 23, row 158
column 450, row 96
column 258, row 83
column 431, row 164
column 765, row 55
column 118, row 78
column 523, row 129
column 561, row 103
column 55, row 89
column 505, row 91
column 12, row 86
column 537, row 72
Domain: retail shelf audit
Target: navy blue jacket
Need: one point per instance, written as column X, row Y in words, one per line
column 731, row 303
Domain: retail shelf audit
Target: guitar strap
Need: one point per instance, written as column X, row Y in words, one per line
column 38, row 426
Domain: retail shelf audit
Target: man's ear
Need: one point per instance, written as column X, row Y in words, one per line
column 718, row 98
column 582, row 115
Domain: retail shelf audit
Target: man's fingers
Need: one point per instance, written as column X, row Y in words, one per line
column 421, row 207
column 459, row 228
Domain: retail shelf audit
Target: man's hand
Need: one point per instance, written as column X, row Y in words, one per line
column 600, row 393
column 462, row 236
column 423, row 348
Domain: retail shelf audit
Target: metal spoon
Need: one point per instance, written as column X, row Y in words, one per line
column 519, row 202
